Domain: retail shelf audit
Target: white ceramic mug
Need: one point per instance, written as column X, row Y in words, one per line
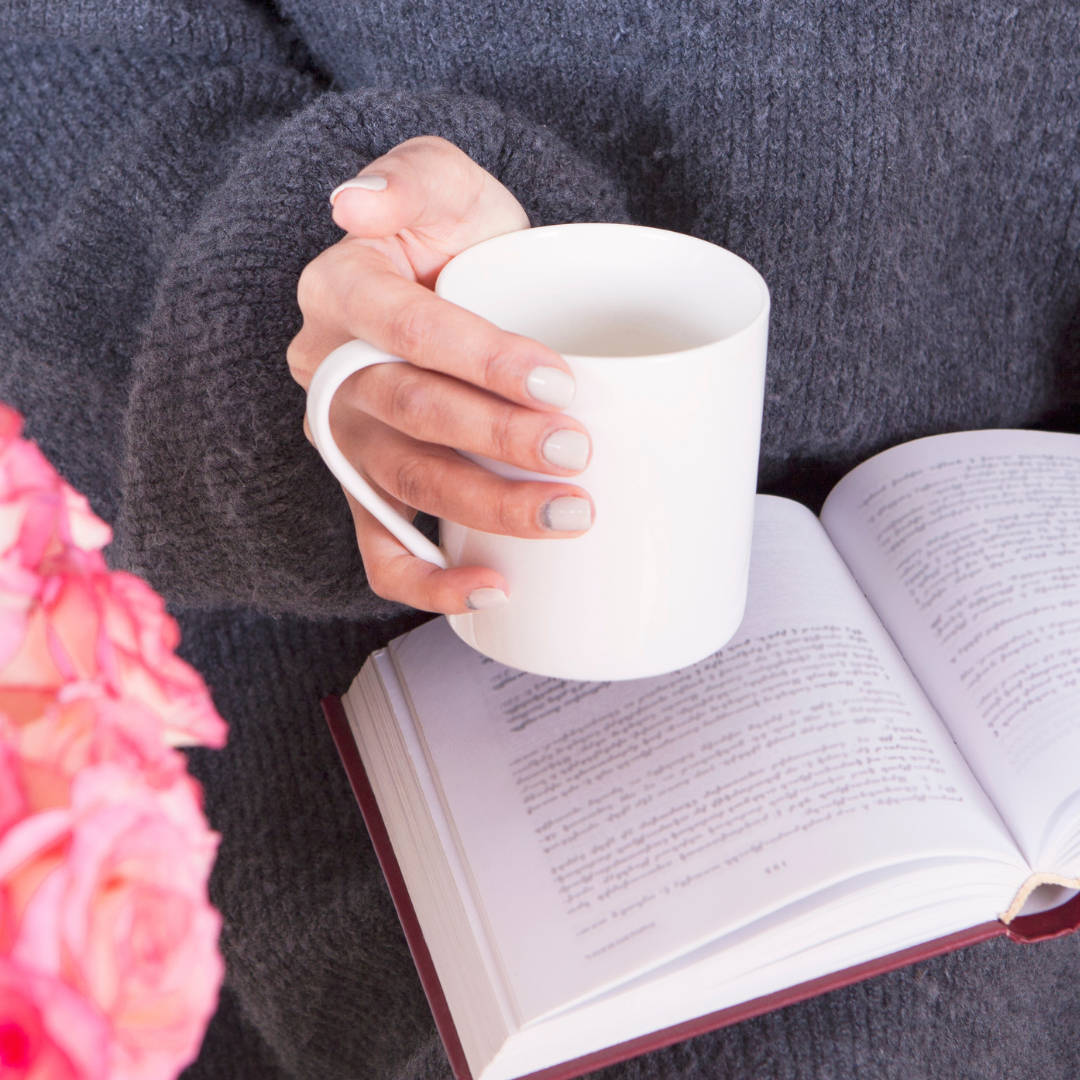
column 666, row 335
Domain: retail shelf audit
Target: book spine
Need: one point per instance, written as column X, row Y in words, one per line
column 380, row 841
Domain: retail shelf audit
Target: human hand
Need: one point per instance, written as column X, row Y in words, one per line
column 468, row 385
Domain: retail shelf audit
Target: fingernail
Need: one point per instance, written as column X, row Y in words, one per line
column 483, row 599
column 363, row 183
column 567, row 449
column 551, row 386
column 567, row 513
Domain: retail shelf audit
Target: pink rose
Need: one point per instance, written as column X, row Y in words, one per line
column 82, row 726
column 47, row 1031
column 108, row 946
column 120, row 912
column 65, row 618
column 86, row 624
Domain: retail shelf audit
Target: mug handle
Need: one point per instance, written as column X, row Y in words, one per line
column 344, row 361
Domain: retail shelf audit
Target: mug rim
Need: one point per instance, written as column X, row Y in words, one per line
column 464, row 258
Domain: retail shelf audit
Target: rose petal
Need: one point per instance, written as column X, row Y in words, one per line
column 85, row 529
column 30, row 837
column 128, row 904
column 11, row 424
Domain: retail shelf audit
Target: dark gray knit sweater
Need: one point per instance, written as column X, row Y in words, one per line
column 905, row 175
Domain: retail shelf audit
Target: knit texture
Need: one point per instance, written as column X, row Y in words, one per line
column 315, row 953
column 94, row 214
column 905, row 176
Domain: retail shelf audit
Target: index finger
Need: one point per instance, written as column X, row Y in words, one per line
column 408, row 320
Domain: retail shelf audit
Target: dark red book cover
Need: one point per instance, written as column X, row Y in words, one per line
column 1025, row 929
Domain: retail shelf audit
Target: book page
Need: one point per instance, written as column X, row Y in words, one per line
column 610, row 826
column 968, row 546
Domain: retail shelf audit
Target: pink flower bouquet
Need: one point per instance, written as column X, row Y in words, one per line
column 109, row 968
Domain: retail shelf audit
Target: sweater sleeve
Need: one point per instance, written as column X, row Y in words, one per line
column 222, row 500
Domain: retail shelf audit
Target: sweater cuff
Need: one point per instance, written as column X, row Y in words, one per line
column 223, row 500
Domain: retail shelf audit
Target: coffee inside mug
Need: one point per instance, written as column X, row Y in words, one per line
column 638, row 292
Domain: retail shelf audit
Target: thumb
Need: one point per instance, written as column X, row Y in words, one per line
column 431, row 188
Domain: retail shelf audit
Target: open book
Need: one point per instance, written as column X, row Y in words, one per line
column 886, row 755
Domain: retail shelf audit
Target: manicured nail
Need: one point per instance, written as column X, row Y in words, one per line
column 551, row 386
column 567, row 513
column 482, row 599
column 364, row 183
column 567, row 449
